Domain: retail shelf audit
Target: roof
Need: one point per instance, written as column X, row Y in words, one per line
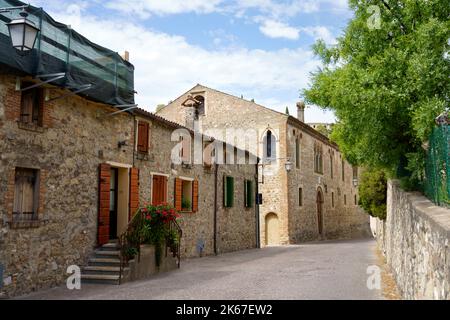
column 174, row 125
column 290, row 119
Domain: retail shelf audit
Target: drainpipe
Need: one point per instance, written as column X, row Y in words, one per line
column 216, row 187
column 135, row 139
column 257, row 212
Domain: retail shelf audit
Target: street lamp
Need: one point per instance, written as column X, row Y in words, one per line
column 22, row 31
column 355, row 183
column 288, row 165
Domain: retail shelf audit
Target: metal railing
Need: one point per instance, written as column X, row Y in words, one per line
column 437, row 182
column 175, row 248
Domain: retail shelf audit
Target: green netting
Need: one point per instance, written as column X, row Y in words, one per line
column 437, row 182
column 61, row 49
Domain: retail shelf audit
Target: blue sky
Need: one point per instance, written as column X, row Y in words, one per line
column 260, row 49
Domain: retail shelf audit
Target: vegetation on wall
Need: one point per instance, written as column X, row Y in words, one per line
column 373, row 193
column 386, row 80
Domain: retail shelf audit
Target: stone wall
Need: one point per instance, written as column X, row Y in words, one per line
column 75, row 139
column 415, row 240
column 236, row 226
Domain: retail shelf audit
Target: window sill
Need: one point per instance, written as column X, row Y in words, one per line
column 30, row 127
column 187, row 211
column 30, row 224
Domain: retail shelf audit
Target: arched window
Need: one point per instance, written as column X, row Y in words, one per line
column 297, row 153
column 270, row 146
column 318, row 158
column 200, row 107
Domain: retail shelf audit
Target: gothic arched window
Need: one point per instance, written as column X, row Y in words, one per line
column 270, row 146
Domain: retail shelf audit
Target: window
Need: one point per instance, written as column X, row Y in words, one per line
column 297, row 152
column 31, row 106
column 270, row 146
column 249, row 194
column 186, row 195
column 343, row 170
column 26, row 195
column 331, row 166
column 332, row 199
column 356, row 200
column 159, row 190
column 228, row 192
column 200, row 107
column 185, row 150
column 300, row 197
column 345, row 199
column 318, row 158
column 143, row 137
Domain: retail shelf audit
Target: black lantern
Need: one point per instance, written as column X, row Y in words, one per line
column 23, row 33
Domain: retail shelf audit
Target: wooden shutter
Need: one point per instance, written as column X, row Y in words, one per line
column 178, row 194
column 143, row 134
column 134, row 192
column 104, row 203
column 195, row 196
column 228, row 189
column 159, row 194
column 26, row 108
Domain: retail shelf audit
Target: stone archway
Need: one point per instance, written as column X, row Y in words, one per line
column 272, row 230
column 320, row 201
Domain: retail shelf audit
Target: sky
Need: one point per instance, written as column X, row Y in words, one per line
column 259, row 49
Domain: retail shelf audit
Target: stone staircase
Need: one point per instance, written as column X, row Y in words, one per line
column 104, row 266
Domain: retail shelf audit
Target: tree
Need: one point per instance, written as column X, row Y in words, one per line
column 373, row 193
column 323, row 130
column 287, row 111
column 386, row 81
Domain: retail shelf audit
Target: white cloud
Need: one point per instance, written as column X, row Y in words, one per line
column 275, row 29
column 320, row 32
column 145, row 8
column 167, row 65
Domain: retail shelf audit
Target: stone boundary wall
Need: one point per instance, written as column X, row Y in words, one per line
column 415, row 240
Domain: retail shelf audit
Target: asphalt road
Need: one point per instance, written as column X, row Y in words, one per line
column 325, row 270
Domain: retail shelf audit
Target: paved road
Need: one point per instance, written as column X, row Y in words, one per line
column 327, row 270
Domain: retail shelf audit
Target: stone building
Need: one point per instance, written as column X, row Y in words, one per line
column 309, row 191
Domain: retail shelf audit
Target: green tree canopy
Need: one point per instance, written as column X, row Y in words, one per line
column 385, row 79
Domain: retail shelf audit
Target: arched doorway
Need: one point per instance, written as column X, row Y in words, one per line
column 320, row 202
column 272, row 230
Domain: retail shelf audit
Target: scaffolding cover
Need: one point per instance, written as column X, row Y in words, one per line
column 59, row 49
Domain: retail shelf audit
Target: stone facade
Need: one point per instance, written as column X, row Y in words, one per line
column 287, row 221
column 415, row 240
column 236, row 226
column 75, row 137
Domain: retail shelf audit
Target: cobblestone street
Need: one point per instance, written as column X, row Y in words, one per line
column 327, row 270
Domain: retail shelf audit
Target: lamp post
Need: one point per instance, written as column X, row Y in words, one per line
column 22, row 31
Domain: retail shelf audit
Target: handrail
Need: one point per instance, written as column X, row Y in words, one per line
column 177, row 250
column 125, row 243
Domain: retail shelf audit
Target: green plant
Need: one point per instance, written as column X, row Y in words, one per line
column 186, row 204
column 156, row 227
column 373, row 193
column 173, row 240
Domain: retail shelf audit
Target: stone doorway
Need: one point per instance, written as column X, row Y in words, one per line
column 320, row 202
column 272, row 230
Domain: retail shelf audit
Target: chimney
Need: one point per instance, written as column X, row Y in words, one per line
column 301, row 111
column 126, row 56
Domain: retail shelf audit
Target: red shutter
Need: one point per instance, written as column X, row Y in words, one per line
column 143, row 132
column 178, row 194
column 104, row 201
column 195, row 196
column 159, row 190
column 134, row 192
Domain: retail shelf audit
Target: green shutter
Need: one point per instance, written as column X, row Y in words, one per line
column 249, row 199
column 225, row 202
column 230, row 192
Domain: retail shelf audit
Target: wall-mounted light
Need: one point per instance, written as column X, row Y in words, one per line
column 355, row 183
column 22, row 31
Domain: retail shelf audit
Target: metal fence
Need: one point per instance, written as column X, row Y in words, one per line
column 437, row 182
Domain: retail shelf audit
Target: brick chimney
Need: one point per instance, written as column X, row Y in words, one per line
column 301, row 111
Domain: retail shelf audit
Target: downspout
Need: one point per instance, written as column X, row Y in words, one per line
column 135, row 139
column 216, row 187
column 257, row 212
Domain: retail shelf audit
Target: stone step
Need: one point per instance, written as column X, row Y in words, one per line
column 104, row 262
column 100, row 278
column 103, row 270
column 110, row 246
column 107, row 253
